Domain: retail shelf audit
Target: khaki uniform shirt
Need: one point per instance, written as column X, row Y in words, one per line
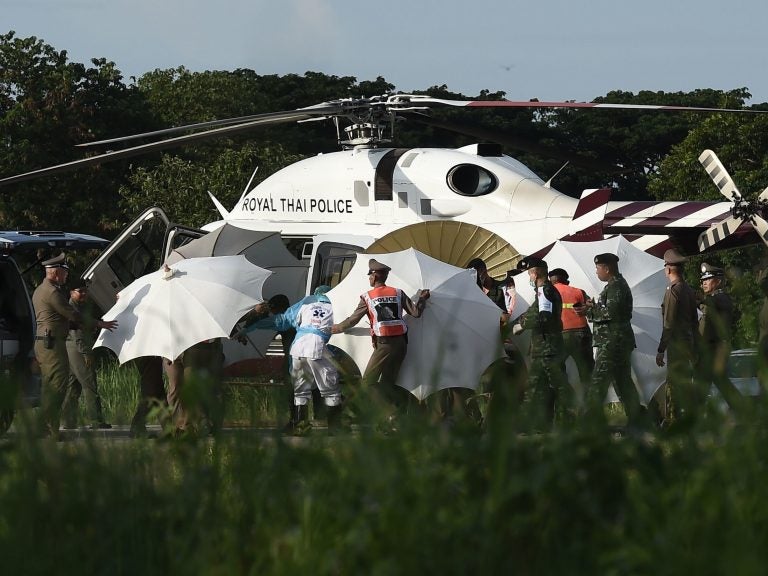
column 53, row 311
column 678, row 311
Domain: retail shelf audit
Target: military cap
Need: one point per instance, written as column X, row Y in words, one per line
column 510, row 277
column 560, row 273
column 477, row 264
column 376, row 266
column 59, row 261
column 708, row 271
column 672, row 256
column 606, row 258
column 529, row 262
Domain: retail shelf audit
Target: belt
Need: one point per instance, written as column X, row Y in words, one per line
column 390, row 337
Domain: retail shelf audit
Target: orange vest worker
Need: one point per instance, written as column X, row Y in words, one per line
column 571, row 296
column 385, row 311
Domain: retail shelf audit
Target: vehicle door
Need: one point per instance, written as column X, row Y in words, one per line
column 137, row 251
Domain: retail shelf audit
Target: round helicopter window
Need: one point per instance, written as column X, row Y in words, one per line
column 471, row 180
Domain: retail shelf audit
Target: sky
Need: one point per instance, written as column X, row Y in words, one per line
column 550, row 49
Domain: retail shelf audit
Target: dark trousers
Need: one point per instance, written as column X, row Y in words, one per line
column 380, row 375
column 578, row 345
column 82, row 379
column 685, row 396
column 152, row 389
column 712, row 368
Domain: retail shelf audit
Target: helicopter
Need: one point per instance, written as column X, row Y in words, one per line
column 370, row 188
column 453, row 204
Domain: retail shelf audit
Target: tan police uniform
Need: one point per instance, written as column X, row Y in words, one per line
column 53, row 314
column 679, row 339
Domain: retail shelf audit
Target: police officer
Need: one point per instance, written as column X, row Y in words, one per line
column 577, row 337
column 679, row 340
column 716, row 332
column 53, row 314
column 82, row 364
column 611, row 317
column 385, row 307
column 548, row 388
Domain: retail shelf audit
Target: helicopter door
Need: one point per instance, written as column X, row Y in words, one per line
column 137, row 251
column 383, row 190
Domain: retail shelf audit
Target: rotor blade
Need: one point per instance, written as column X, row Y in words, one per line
column 264, row 118
column 719, row 175
column 153, row 146
column 761, row 225
column 521, row 144
column 417, row 99
column 718, row 231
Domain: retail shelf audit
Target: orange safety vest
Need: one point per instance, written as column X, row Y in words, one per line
column 385, row 310
column 571, row 296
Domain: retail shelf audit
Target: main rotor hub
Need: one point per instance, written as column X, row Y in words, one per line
column 363, row 135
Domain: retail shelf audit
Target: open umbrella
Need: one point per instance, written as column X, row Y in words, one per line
column 265, row 249
column 644, row 274
column 454, row 341
column 166, row 312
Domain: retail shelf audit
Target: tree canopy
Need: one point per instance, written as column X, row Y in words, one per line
column 49, row 104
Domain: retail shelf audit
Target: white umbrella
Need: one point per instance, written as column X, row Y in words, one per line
column 164, row 313
column 454, row 341
column 265, row 249
column 644, row 274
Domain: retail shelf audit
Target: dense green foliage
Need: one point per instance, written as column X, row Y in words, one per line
column 424, row 501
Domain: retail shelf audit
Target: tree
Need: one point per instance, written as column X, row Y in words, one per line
column 47, row 105
column 741, row 143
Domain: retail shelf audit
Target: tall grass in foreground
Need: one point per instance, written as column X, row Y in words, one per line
column 250, row 405
column 424, row 501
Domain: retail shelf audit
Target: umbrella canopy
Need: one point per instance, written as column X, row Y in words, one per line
column 645, row 275
column 265, row 249
column 454, row 341
column 164, row 313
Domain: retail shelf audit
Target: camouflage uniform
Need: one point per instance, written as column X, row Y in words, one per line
column 614, row 339
column 548, row 385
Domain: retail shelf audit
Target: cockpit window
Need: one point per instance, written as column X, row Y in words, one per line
column 471, row 180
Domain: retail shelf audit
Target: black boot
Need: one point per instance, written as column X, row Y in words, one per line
column 333, row 414
column 300, row 425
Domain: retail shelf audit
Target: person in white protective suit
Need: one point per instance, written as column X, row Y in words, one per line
column 311, row 361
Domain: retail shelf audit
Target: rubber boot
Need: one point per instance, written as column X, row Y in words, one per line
column 333, row 413
column 301, row 424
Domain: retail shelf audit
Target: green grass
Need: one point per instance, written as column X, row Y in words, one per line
column 424, row 501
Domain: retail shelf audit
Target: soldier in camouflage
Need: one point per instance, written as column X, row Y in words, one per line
column 549, row 395
column 614, row 339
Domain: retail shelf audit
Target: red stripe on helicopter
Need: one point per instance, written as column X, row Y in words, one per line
column 594, row 200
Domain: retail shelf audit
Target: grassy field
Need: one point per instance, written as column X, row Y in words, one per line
column 426, row 500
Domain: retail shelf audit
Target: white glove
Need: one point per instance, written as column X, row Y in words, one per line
column 516, row 329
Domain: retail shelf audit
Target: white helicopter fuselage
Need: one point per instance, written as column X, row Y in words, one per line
column 370, row 192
